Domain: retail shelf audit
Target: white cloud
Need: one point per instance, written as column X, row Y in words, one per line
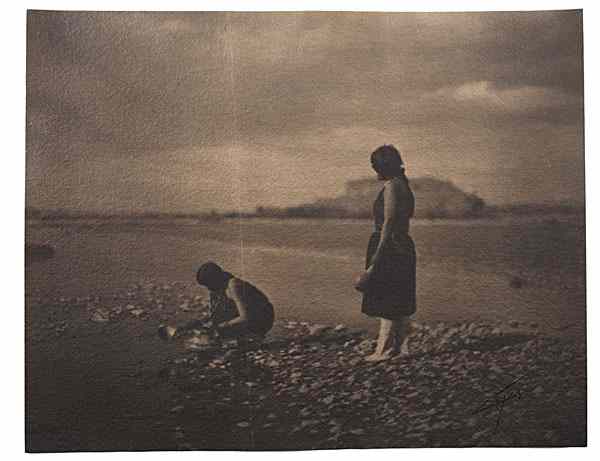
column 487, row 95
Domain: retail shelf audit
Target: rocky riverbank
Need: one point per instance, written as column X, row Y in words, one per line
column 471, row 385
column 306, row 387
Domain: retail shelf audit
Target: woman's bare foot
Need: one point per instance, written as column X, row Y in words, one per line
column 378, row 357
column 403, row 352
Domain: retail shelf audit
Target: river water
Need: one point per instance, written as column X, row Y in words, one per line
column 531, row 271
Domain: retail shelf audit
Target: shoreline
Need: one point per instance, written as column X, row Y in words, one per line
column 500, row 219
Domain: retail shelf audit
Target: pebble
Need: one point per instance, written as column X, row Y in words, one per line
column 328, row 400
column 317, row 330
column 478, row 435
column 100, row 315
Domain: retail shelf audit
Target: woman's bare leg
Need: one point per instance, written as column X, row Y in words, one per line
column 385, row 341
column 402, row 333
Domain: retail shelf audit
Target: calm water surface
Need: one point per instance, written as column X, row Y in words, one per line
column 464, row 269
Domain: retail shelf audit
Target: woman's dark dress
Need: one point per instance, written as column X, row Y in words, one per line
column 391, row 291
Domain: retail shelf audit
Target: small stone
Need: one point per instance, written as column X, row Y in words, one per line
column 243, row 424
column 317, row 330
column 303, row 389
column 328, row 400
column 177, row 409
column 308, row 423
column 305, row 412
column 100, row 315
column 478, row 435
column 198, row 343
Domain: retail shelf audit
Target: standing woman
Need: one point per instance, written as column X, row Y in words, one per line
column 389, row 282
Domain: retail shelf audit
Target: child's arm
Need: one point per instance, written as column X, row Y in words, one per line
column 234, row 291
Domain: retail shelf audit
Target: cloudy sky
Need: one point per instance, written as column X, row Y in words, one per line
column 195, row 111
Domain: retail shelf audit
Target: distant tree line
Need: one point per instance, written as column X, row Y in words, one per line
column 474, row 207
column 60, row 213
column 311, row 211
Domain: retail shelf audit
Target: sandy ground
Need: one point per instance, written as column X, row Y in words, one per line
column 98, row 378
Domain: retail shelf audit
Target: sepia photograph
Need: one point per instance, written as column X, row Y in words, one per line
column 318, row 230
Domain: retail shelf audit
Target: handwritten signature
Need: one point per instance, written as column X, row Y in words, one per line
column 500, row 398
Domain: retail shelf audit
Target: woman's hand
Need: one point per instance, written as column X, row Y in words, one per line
column 362, row 281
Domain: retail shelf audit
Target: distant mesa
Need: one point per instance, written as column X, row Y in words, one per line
column 434, row 199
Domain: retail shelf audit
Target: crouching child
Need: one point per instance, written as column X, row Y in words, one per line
column 236, row 308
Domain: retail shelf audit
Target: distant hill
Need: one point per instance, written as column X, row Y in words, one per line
column 434, row 199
